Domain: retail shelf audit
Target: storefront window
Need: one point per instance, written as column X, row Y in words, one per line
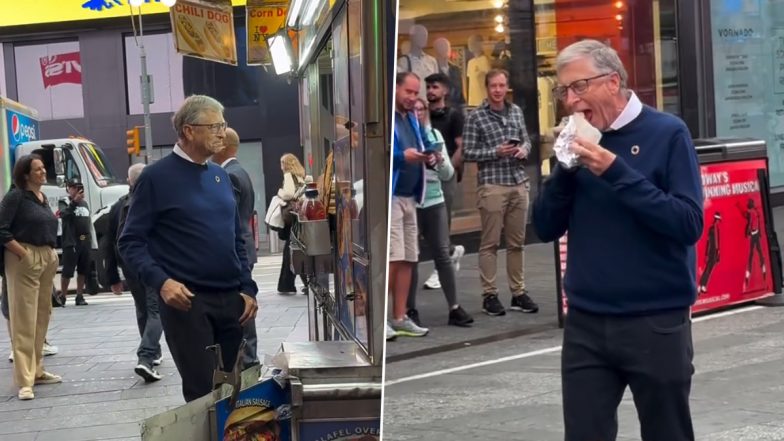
column 748, row 74
column 466, row 39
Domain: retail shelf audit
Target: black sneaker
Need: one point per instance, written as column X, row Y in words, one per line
column 413, row 314
column 524, row 303
column 492, row 306
column 458, row 317
column 147, row 372
column 80, row 300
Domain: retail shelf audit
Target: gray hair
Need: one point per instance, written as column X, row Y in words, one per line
column 134, row 172
column 605, row 59
column 193, row 107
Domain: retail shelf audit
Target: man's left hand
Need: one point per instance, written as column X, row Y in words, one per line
column 521, row 153
column 597, row 158
column 249, row 313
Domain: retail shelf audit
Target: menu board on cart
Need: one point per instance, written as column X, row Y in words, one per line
column 340, row 430
column 262, row 412
column 733, row 254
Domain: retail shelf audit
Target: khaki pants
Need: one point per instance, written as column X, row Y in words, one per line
column 30, row 282
column 502, row 208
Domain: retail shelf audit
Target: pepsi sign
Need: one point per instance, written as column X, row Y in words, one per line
column 21, row 128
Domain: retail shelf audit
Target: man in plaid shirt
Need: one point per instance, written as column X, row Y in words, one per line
column 496, row 139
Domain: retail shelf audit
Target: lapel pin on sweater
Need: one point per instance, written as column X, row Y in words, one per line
column 635, row 150
column 217, row 179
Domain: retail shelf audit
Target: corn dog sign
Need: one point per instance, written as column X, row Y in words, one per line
column 264, row 18
column 205, row 29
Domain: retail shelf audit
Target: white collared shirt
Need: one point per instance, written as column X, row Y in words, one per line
column 226, row 162
column 630, row 112
column 181, row 153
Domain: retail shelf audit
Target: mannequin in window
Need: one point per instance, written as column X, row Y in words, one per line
column 476, row 70
column 417, row 61
column 443, row 50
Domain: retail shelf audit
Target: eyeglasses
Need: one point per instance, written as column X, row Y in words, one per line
column 579, row 87
column 214, row 128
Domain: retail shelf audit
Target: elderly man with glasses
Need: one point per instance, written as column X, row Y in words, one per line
column 633, row 210
column 184, row 238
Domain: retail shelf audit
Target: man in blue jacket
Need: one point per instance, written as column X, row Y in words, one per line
column 184, row 239
column 634, row 212
column 408, row 189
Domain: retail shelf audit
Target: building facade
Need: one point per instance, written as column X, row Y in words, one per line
column 82, row 73
column 719, row 65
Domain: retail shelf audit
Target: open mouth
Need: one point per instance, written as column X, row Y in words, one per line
column 588, row 115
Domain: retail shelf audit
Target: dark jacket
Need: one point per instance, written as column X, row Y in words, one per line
column 246, row 198
column 117, row 215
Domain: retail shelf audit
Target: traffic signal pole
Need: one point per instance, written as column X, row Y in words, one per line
column 146, row 96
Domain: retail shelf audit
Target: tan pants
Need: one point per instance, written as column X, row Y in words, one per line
column 502, row 208
column 30, row 282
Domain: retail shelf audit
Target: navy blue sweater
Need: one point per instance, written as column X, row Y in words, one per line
column 632, row 230
column 183, row 224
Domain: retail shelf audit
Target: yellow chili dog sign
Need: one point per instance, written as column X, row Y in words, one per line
column 205, row 29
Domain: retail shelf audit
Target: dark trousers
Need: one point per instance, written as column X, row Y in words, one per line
column 709, row 265
column 450, row 189
column 432, row 224
column 212, row 319
column 148, row 318
column 651, row 354
column 250, row 357
column 287, row 278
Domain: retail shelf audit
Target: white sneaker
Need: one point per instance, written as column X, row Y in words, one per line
column 11, row 357
column 457, row 254
column 433, row 282
column 408, row 328
column 49, row 349
column 157, row 361
column 390, row 333
column 148, row 373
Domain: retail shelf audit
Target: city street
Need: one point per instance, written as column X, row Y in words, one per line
column 516, row 395
column 101, row 398
column 500, row 379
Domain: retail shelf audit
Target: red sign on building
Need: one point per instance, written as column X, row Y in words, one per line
column 61, row 69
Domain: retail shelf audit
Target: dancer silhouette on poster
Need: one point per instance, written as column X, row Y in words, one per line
column 753, row 220
column 712, row 253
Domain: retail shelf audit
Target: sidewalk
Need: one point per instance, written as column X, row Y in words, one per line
column 540, row 282
column 101, row 398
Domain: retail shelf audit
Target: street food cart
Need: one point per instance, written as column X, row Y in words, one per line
column 330, row 386
column 738, row 226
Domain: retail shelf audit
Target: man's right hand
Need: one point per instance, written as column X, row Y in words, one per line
column 412, row 156
column 506, row 149
column 117, row 288
column 176, row 295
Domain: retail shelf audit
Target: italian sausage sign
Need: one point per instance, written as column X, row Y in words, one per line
column 205, row 29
